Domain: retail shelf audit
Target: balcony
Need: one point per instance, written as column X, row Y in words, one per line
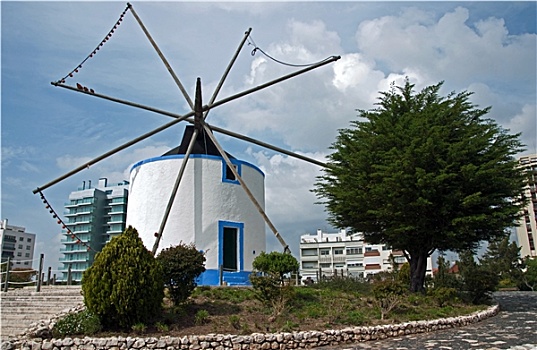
column 117, row 201
column 71, row 251
column 79, row 202
column 372, row 253
column 309, row 258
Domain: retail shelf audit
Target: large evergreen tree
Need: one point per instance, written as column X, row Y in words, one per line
column 423, row 172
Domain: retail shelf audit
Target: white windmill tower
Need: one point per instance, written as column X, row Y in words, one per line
column 220, row 204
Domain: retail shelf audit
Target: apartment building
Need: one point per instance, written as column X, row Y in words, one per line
column 93, row 216
column 527, row 230
column 341, row 254
column 17, row 245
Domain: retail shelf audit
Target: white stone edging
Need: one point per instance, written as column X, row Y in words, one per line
column 255, row 341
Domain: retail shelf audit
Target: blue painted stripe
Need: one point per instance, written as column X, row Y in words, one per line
column 202, row 156
column 211, row 278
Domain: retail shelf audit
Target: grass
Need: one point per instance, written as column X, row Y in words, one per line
column 228, row 310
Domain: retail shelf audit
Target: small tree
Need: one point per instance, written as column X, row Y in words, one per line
column 529, row 276
column 388, row 294
column 478, row 282
column 124, row 285
column 268, row 279
column 503, row 258
column 181, row 265
column 443, row 278
column 276, row 264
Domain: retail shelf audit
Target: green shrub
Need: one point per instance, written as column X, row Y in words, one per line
column 235, row 321
column 139, row 328
column 478, row 281
column 201, row 317
column 124, row 285
column 181, row 265
column 443, row 295
column 344, row 284
column 81, row 323
column 276, row 264
column 388, row 294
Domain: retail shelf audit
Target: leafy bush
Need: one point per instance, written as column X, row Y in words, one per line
column 202, row 317
column 344, row 284
column 269, row 283
column 276, row 264
column 443, row 295
column 124, row 285
column 139, row 328
column 81, row 323
column 478, row 281
column 388, row 295
column 181, row 265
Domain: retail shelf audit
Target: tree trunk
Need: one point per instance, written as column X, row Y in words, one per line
column 418, row 268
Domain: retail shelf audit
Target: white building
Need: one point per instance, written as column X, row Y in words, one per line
column 94, row 214
column 17, row 244
column 527, row 230
column 211, row 209
column 328, row 254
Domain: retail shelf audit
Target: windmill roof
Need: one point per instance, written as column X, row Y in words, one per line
column 203, row 144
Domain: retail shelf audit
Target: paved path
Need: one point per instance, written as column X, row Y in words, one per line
column 515, row 327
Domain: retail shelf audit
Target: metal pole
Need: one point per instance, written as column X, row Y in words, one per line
column 115, row 150
column 69, row 277
column 6, row 283
column 174, row 191
column 246, row 189
column 266, row 145
column 48, row 275
column 221, row 275
column 206, row 107
column 54, row 280
column 174, row 115
column 228, row 69
column 168, row 67
column 270, row 83
column 198, row 114
column 40, row 272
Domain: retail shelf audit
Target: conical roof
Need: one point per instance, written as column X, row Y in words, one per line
column 203, row 144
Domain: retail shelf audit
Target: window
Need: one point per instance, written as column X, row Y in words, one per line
column 354, row 251
column 29, row 240
column 227, row 173
column 338, row 251
column 27, row 255
column 309, row 252
column 28, row 247
column 26, row 263
column 355, row 264
column 325, row 265
column 339, row 266
column 19, row 254
column 325, row 251
column 309, row 265
column 20, row 246
column 21, row 238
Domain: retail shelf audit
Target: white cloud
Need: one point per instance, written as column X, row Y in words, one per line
column 69, row 162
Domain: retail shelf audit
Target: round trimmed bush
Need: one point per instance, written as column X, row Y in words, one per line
column 124, row 285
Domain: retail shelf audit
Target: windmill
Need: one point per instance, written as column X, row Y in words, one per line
column 197, row 117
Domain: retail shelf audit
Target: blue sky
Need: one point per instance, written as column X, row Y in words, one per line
column 488, row 48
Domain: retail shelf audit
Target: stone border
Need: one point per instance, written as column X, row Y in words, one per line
column 255, row 341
